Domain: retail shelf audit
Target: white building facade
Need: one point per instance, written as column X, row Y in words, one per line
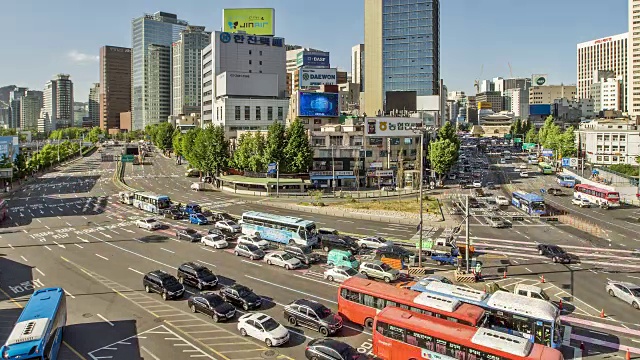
column 607, row 94
column 186, row 69
column 633, row 62
column 517, row 101
column 608, row 53
column 357, row 66
column 608, row 142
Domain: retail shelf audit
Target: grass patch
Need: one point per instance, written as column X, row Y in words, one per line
column 429, row 205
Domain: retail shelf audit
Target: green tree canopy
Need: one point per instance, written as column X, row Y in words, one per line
column 442, row 154
column 567, row 143
column 298, row 154
column 276, row 143
column 176, row 142
column 162, row 135
column 531, row 136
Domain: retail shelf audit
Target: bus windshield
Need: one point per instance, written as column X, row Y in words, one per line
column 613, row 195
column 537, row 205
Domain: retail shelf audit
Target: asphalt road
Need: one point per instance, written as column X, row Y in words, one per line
column 68, row 230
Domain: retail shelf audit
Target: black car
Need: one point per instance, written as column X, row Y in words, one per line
column 341, row 242
column 554, row 252
column 330, row 349
column 313, row 315
column 162, row 283
column 393, row 252
column 219, row 216
column 327, row 231
column 218, row 232
column 303, row 253
column 211, row 304
column 242, row 296
column 554, row 191
column 196, row 275
column 174, row 214
column 188, row 234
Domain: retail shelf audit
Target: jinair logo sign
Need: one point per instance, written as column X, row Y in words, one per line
column 252, row 21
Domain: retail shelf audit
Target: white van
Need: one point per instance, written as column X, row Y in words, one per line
column 531, row 291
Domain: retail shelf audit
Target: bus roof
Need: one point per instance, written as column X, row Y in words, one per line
column 278, row 218
column 465, row 312
column 461, row 292
column 523, row 305
column 33, row 322
column 437, row 302
column 488, row 341
column 151, row 195
column 544, row 164
column 528, row 196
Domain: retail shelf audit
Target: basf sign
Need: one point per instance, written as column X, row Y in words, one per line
column 311, row 59
column 317, row 77
column 254, row 21
column 392, row 126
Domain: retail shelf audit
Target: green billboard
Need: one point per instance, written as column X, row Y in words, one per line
column 528, row 146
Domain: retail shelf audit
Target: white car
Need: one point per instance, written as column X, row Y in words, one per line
column 149, row 224
column 253, row 240
column 262, row 327
column 215, row 241
column 341, row 273
column 524, row 174
column 477, row 184
column 502, row 200
column 373, row 242
column 581, row 202
column 228, row 225
column 283, row 259
column 523, row 167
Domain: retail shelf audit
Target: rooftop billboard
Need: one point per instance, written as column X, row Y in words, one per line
column 253, row 21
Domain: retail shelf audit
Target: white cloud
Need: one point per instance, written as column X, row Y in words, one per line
column 82, row 58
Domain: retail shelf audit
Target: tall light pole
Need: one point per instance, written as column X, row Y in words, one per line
column 420, row 192
column 333, row 170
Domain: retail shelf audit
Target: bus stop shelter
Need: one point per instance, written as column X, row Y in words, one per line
column 263, row 186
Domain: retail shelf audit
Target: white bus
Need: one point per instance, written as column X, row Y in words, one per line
column 151, row 202
column 281, row 229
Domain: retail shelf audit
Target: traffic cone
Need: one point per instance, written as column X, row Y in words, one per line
column 560, row 304
column 628, row 355
column 602, row 313
column 504, row 274
column 542, row 279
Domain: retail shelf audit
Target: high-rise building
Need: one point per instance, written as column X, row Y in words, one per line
column 94, row 105
column 151, row 39
column 501, row 84
column 608, row 53
column 633, row 62
column 81, row 114
column 187, row 69
column 115, row 85
column 547, row 93
column 58, row 103
column 30, row 106
column 357, row 65
column 516, row 100
column 402, row 42
column 493, row 97
column 607, row 91
column 14, row 105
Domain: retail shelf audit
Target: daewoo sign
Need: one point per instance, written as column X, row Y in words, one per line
column 317, row 77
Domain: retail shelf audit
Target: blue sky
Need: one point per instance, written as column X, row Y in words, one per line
column 43, row 38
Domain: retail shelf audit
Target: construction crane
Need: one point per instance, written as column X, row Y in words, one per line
column 476, row 83
column 510, row 70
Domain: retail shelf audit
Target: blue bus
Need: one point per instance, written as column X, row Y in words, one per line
column 566, row 180
column 281, row 229
column 38, row 331
column 534, row 319
column 532, row 204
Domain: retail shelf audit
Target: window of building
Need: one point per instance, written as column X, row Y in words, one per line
column 605, row 158
column 237, row 113
column 247, row 113
column 383, row 153
column 408, row 141
column 394, row 141
column 614, row 148
column 270, row 113
column 260, row 52
column 606, row 138
column 599, row 148
column 606, row 148
column 280, row 112
column 249, row 62
column 614, row 137
column 318, row 141
column 623, row 137
column 335, row 140
column 258, row 113
column 599, row 137
column 598, row 158
column 614, row 158
column 355, row 141
column 623, row 149
column 317, row 121
column 260, row 62
column 249, row 52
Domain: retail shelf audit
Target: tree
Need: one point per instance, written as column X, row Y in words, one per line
column 242, row 155
column 298, row 154
column 220, row 150
column 187, row 143
column 567, row 143
column 442, row 154
column 94, row 134
column 276, row 143
column 447, row 131
column 20, row 164
column 516, row 127
column 542, row 134
column 531, row 136
column 176, row 142
column 162, row 135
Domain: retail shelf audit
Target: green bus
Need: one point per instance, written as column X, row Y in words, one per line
column 545, row 168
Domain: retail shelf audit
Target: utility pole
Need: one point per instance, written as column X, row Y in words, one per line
column 420, row 192
column 333, row 171
column 466, row 250
column 277, row 178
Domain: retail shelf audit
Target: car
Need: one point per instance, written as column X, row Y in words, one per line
column 393, row 252
column 253, row 240
column 173, row 213
column 283, row 259
column 503, row 161
column 263, row 328
column 340, row 242
column 149, row 224
column 554, row 191
column 477, row 184
column 192, row 173
column 163, row 283
column 212, row 304
column 524, row 174
column 379, row 270
column 242, row 296
column 341, row 273
column 330, row 349
column 625, row 291
column 523, row 167
column 220, row 215
column 196, row 275
column 491, row 185
column 215, row 241
column 228, row 225
column 303, row 253
column 192, row 208
column 248, row 250
column 496, row 222
column 581, row 202
column 188, row 234
column 198, row 219
column 313, row 315
column 327, row 231
column 502, row 200
column 555, row 252
column 373, row 242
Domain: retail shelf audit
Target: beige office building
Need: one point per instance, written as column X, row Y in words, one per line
column 608, row 53
column 547, row 93
column 633, row 64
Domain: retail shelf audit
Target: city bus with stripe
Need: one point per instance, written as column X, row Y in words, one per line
column 596, row 195
column 399, row 334
column 280, row 229
column 151, row 202
column 535, row 319
column 532, row 204
column 360, row 299
column 545, row 168
column 38, row 331
column 566, row 180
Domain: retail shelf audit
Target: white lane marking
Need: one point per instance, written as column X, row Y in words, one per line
column 11, row 246
column 290, row 289
column 69, row 294
column 251, row 262
column 318, row 281
column 100, row 256
column 48, row 248
column 62, row 246
column 105, row 319
column 78, row 245
column 206, row 263
column 38, row 220
column 47, row 227
column 345, row 221
column 24, row 258
column 167, row 250
column 149, row 353
column 39, row 271
column 83, row 240
column 85, row 217
column 528, row 269
column 68, row 224
column 136, row 271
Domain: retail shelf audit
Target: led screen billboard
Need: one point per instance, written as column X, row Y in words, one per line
column 318, row 104
column 255, row 21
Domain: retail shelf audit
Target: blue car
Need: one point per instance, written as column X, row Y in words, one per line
column 198, row 219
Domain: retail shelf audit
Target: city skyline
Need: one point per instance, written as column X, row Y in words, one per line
column 528, row 47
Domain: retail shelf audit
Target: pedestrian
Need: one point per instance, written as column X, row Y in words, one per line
column 479, row 269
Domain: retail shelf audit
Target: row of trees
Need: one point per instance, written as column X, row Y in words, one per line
column 551, row 136
column 443, row 152
column 44, row 158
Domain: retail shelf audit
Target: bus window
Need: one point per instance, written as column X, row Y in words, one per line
column 539, row 337
column 547, row 334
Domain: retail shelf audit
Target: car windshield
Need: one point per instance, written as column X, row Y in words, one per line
column 252, row 247
column 385, row 267
column 230, row 223
column 286, row 256
column 243, row 291
column 270, row 324
column 214, row 300
column 351, row 271
column 169, row 281
column 201, row 217
column 323, row 311
column 150, row 221
column 556, row 250
column 203, row 273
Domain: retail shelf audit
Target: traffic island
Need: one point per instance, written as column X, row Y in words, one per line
column 464, row 277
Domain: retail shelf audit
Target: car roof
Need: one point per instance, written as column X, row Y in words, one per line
column 626, row 284
column 160, row 274
column 194, row 266
column 330, row 343
column 149, row 218
column 237, row 286
column 314, row 305
column 277, row 253
column 210, row 295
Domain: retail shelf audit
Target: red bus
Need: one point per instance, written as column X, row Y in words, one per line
column 400, row 335
column 359, row 300
column 598, row 196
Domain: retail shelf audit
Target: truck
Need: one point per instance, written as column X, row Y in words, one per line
column 446, row 243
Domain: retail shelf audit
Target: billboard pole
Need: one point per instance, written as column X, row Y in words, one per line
column 278, row 179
